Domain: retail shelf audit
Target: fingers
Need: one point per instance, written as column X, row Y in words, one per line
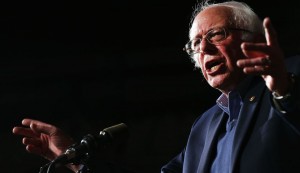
column 34, row 133
column 270, row 33
column 39, row 126
column 42, row 139
column 260, row 61
column 33, row 145
column 259, row 66
column 34, row 128
column 257, row 70
column 24, row 132
column 270, row 37
column 253, row 50
column 261, row 57
column 31, row 141
column 33, row 149
column 250, row 46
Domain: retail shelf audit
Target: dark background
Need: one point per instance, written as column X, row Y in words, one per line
column 87, row 65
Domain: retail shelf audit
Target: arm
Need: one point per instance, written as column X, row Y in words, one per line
column 267, row 60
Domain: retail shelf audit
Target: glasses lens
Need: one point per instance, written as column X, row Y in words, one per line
column 216, row 35
column 193, row 46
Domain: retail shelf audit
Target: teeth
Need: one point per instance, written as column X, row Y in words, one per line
column 214, row 68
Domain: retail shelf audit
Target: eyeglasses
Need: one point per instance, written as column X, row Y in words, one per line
column 214, row 36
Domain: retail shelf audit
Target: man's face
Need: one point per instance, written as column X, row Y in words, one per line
column 218, row 62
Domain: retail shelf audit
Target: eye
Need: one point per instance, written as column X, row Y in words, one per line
column 196, row 42
column 216, row 35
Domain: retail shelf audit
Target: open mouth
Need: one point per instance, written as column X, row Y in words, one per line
column 213, row 65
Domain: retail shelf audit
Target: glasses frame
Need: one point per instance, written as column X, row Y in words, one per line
column 190, row 51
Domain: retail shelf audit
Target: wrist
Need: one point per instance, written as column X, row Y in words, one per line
column 284, row 102
column 280, row 95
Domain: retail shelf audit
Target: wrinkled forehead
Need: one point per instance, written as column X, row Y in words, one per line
column 211, row 17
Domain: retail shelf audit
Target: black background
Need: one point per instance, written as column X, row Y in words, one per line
column 87, row 65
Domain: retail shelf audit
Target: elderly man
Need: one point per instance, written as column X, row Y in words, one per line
column 254, row 126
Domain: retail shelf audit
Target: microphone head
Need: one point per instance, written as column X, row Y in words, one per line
column 109, row 138
column 118, row 133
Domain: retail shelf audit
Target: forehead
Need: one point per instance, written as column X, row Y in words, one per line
column 211, row 17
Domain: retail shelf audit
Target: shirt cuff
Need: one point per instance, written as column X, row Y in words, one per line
column 285, row 103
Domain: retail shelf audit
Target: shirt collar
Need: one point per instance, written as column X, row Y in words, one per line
column 231, row 104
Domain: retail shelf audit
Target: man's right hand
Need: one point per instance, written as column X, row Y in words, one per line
column 43, row 139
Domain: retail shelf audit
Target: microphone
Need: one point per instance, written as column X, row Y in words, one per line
column 78, row 153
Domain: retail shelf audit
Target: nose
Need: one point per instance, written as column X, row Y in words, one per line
column 205, row 47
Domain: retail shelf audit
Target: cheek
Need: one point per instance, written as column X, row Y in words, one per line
column 232, row 54
column 200, row 62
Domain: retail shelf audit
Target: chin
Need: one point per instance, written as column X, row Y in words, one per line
column 222, row 83
column 217, row 82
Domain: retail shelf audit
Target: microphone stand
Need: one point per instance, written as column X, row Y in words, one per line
column 49, row 168
column 44, row 168
column 79, row 154
column 82, row 160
